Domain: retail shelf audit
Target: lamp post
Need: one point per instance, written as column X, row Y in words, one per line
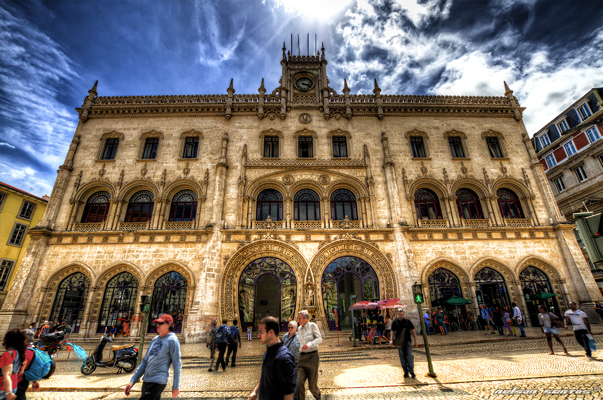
column 418, row 298
column 144, row 309
column 352, row 297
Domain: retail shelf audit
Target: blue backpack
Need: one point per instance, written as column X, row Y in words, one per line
column 221, row 334
column 233, row 336
column 39, row 366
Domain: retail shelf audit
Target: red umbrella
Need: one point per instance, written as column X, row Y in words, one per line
column 391, row 303
column 365, row 305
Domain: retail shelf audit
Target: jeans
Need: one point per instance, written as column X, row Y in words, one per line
column 221, row 351
column 427, row 329
column 523, row 333
column 232, row 348
column 406, row 358
column 582, row 340
column 151, row 391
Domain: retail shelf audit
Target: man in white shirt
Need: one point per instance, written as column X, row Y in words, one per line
column 307, row 364
column 518, row 318
column 581, row 326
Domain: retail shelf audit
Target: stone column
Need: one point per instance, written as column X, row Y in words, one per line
column 244, row 212
column 288, row 212
column 491, row 213
column 220, row 183
column 524, row 306
column 74, row 212
column 42, row 297
column 455, row 220
column 391, row 182
column 85, row 324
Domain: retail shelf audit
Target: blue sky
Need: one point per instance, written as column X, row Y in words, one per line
column 51, row 52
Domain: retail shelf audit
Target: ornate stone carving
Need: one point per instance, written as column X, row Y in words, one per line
column 305, row 118
column 144, row 171
column 309, row 300
column 102, row 171
column 288, row 179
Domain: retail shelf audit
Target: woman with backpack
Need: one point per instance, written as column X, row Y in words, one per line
column 32, row 368
column 10, row 362
column 211, row 344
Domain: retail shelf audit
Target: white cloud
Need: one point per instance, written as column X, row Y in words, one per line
column 420, row 13
column 10, row 146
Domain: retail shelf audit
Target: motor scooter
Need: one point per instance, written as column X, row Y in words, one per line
column 123, row 357
column 50, row 343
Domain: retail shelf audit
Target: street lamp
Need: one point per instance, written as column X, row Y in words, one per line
column 144, row 309
column 417, row 294
column 352, row 297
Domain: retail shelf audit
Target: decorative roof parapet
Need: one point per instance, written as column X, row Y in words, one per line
column 249, row 104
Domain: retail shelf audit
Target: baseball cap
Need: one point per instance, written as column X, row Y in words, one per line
column 165, row 318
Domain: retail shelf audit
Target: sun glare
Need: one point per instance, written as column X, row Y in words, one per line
column 315, row 9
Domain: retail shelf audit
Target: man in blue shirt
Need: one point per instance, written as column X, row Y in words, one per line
column 164, row 350
column 277, row 381
column 427, row 320
column 487, row 317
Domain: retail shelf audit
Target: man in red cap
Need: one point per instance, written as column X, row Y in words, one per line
column 164, row 350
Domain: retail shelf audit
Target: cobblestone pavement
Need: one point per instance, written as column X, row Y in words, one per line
column 471, row 371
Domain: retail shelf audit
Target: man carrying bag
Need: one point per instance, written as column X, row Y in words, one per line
column 402, row 328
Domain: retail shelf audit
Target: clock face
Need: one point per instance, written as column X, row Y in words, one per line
column 304, row 84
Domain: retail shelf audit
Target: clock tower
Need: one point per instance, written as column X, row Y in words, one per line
column 304, row 82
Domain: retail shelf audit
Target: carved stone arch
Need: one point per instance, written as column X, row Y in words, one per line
column 260, row 184
column 357, row 188
column 63, row 272
column 182, row 184
column 112, row 135
column 192, row 133
column 271, row 132
column 105, row 276
column 501, row 140
column 415, row 133
column 495, row 264
column 133, row 187
column 92, row 187
column 151, row 134
column 470, row 183
column 554, row 276
column 229, row 298
column 307, row 184
column 454, row 133
column 428, row 183
column 446, row 264
column 450, row 266
column 164, row 268
column 52, row 284
column 507, row 182
column 388, row 284
column 539, row 263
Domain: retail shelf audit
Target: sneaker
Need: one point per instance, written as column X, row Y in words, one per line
column 210, row 370
column 413, row 376
column 225, row 368
column 406, row 375
column 589, row 358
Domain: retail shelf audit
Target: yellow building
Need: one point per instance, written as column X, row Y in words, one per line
column 19, row 211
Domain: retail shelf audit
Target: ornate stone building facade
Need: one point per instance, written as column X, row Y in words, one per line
column 240, row 205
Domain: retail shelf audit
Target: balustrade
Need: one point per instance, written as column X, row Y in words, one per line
column 519, row 222
column 433, row 223
column 346, row 224
column 306, row 225
column 87, row 226
column 133, row 226
column 178, row 225
column 476, row 223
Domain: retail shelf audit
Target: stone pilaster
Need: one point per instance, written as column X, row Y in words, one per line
column 220, row 185
column 390, row 182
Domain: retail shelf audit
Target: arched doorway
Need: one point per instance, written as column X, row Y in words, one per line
column 534, row 282
column 169, row 297
column 344, row 277
column 443, row 284
column 119, row 300
column 70, row 301
column 267, row 287
column 491, row 288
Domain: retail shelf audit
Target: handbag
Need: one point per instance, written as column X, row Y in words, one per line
column 556, row 322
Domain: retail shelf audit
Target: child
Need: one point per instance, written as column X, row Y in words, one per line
column 249, row 330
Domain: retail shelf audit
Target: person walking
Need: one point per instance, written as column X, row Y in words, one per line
column 440, row 321
column 163, row 352
column 581, row 326
column 549, row 325
column 222, row 342
column 308, row 362
column 211, row 344
column 599, row 309
column 291, row 341
column 22, row 383
column 507, row 321
column 427, row 320
column 487, row 317
column 10, row 362
column 518, row 318
column 277, row 379
column 234, row 340
column 402, row 329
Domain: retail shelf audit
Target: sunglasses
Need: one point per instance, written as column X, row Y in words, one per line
column 291, row 327
column 161, row 323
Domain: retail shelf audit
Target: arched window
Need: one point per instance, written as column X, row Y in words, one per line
column 343, row 202
column 491, row 289
column 70, row 301
column 270, row 202
column 509, row 204
column 443, row 284
column 140, row 207
column 537, row 291
column 97, row 207
column 169, row 297
column 184, row 206
column 468, row 203
column 119, row 300
column 427, row 204
column 307, row 205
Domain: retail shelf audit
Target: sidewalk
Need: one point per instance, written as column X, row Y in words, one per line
column 333, row 344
